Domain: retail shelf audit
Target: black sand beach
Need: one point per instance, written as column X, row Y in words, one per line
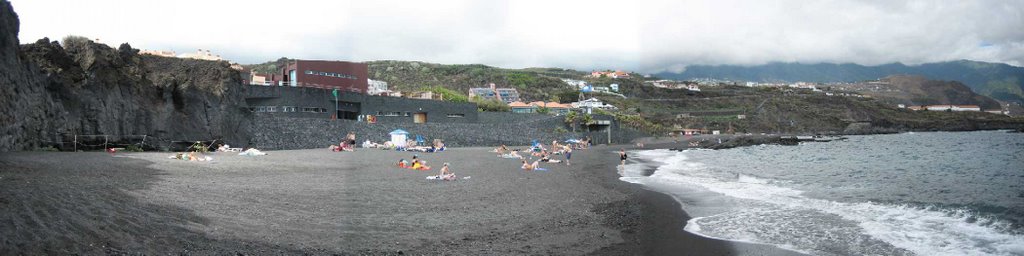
column 321, row 202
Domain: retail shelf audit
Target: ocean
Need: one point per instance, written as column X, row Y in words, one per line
column 931, row 193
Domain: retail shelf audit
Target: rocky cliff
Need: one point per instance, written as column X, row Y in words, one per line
column 52, row 91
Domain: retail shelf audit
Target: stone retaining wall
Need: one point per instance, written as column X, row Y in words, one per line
column 274, row 132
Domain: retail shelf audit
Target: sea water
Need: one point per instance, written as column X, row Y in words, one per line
column 936, row 193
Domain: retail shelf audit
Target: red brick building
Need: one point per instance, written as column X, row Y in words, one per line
column 341, row 75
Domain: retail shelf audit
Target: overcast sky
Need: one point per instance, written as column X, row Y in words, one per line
column 643, row 36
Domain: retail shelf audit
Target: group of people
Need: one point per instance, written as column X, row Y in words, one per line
column 542, row 153
column 419, row 164
column 349, row 144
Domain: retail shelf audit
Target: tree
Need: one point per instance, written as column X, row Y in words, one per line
column 570, row 119
column 543, row 110
column 586, row 120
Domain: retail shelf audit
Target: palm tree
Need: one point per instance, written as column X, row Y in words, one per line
column 586, row 120
column 570, row 119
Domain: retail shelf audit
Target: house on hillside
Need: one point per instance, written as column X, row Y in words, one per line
column 201, row 55
column 375, row 87
column 591, row 103
column 973, row 108
column 425, row 95
column 169, row 54
column 522, row 108
column 507, row 95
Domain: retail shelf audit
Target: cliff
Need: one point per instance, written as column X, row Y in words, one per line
column 52, row 91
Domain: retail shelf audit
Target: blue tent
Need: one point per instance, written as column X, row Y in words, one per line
column 399, row 132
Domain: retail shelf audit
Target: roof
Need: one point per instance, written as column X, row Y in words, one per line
column 519, row 104
column 398, row 132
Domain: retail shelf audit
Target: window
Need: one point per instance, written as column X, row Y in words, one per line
column 456, row 115
column 408, row 114
column 314, row 110
column 271, row 108
column 288, row 109
column 391, row 113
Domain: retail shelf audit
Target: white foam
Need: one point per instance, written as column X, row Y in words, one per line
column 921, row 231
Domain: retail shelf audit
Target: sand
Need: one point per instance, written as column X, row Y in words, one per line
column 321, row 202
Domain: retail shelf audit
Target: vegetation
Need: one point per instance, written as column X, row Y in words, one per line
column 483, row 105
column 448, row 94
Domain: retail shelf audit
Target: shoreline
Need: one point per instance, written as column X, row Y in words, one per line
column 655, row 221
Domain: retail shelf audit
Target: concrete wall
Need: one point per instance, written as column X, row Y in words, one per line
column 437, row 111
column 278, row 132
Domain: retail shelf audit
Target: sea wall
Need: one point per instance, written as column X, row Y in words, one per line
column 277, row 132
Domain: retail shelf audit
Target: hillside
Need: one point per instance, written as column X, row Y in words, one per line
column 999, row 81
column 918, row 90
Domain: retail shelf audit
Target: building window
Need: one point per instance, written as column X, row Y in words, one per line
column 408, row 113
column 288, row 109
column 456, row 115
column 271, row 108
column 314, row 110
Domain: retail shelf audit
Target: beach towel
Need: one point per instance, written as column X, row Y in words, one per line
column 449, row 177
column 252, row 152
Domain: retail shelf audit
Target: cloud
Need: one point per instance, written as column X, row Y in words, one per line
column 645, row 36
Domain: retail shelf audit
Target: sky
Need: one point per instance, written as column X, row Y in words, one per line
column 646, row 36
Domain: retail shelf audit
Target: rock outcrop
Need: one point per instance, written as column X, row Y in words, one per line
column 52, row 91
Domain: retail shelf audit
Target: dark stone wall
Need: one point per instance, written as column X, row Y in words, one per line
column 437, row 111
column 276, row 132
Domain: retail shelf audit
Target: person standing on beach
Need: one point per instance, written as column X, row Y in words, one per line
column 622, row 156
column 568, row 155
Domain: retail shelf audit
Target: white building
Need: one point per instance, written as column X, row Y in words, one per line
column 614, row 87
column 377, row 87
column 592, row 103
column 693, row 87
column 201, row 55
column 953, row 108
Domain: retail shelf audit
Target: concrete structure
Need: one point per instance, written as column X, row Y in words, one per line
column 274, row 131
column 507, row 95
column 341, row 75
column 425, row 95
column 320, row 103
column 201, row 55
column 263, row 79
column 169, row 54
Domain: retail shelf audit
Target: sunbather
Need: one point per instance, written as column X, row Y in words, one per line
column 529, row 166
column 446, row 174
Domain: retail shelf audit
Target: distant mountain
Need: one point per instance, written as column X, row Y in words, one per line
column 913, row 90
column 997, row 80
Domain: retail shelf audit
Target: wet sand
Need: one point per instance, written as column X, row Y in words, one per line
column 321, row 202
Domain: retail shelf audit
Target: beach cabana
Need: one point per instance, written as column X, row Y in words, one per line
column 398, row 137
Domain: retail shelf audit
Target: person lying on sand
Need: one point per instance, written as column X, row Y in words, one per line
column 547, row 159
column 418, row 164
column 529, row 166
column 501, row 150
